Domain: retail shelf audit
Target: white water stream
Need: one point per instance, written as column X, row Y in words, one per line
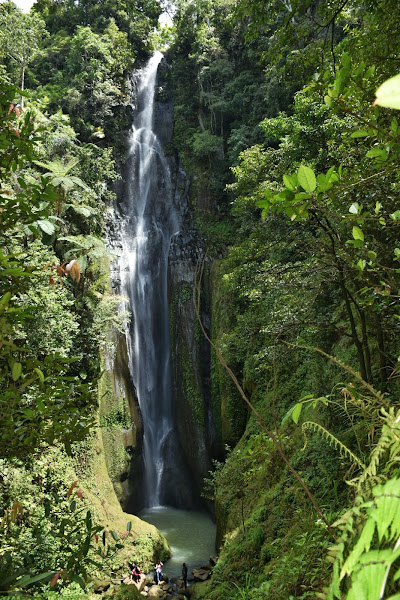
column 149, row 222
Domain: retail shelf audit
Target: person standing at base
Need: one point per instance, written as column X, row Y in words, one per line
column 159, row 572
column 184, row 574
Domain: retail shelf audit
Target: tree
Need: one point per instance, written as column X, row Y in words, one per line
column 39, row 397
column 20, row 35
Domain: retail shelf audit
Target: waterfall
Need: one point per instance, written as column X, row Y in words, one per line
column 149, row 220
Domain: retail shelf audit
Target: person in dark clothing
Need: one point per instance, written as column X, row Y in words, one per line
column 184, row 574
column 136, row 574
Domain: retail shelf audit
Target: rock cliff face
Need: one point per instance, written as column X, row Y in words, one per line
column 190, row 350
column 121, row 426
column 194, row 429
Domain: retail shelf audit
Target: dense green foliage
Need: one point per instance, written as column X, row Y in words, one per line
column 65, row 71
column 274, row 111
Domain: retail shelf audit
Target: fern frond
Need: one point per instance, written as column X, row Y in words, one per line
column 388, row 445
column 333, row 441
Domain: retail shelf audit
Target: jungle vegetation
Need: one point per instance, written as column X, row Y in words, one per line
column 295, row 189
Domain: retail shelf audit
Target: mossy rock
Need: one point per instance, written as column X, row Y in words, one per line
column 127, row 592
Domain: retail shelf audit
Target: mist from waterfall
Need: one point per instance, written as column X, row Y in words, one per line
column 149, row 220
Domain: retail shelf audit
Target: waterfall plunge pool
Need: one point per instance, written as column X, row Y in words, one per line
column 191, row 535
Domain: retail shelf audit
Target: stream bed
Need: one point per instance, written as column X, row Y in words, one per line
column 191, row 535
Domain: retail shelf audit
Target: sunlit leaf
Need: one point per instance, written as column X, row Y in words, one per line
column 360, row 133
column 46, row 226
column 296, row 412
column 354, row 208
column 306, row 178
column 388, row 94
column 290, row 182
column 40, row 374
column 357, row 233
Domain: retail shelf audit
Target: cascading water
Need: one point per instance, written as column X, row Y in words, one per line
column 149, row 218
column 149, row 222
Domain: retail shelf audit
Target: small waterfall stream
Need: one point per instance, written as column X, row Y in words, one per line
column 149, row 222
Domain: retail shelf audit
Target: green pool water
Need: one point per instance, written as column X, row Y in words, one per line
column 191, row 535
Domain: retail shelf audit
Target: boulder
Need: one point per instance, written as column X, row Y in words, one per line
column 141, row 583
column 156, row 592
column 101, row 587
column 201, row 574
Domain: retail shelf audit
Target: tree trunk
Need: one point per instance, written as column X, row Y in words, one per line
column 364, row 340
column 22, row 83
column 354, row 335
column 383, row 360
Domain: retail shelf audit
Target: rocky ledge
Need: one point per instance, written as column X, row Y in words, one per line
column 166, row 589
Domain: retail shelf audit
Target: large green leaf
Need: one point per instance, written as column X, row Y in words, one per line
column 306, row 178
column 290, row 182
column 296, row 412
column 28, row 580
column 16, row 370
column 357, row 233
column 362, row 545
column 46, row 226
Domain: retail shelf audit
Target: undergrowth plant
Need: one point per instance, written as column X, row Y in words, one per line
column 366, row 557
column 368, row 547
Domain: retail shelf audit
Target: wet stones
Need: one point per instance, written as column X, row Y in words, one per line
column 201, row 574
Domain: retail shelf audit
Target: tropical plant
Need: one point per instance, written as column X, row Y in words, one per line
column 369, row 546
column 58, row 174
column 63, row 521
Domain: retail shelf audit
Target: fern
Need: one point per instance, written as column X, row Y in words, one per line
column 371, row 554
column 388, row 448
column 332, row 441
